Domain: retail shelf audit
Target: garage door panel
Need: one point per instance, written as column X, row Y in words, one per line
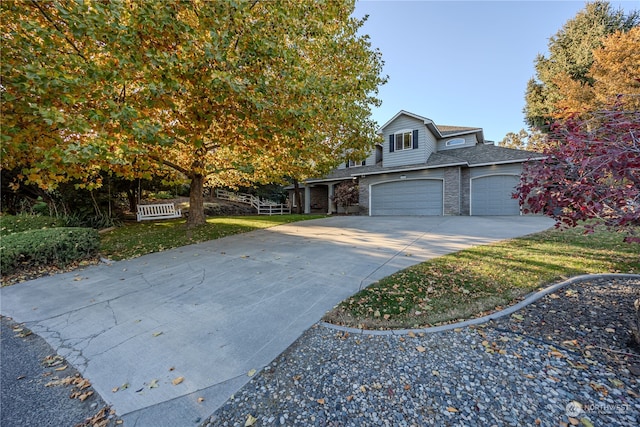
column 491, row 195
column 414, row 197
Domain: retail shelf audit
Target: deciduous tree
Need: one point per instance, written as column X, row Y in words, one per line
column 592, row 172
column 570, row 59
column 223, row 92
column 346, row 194
column 523, row 140
column 615, row 73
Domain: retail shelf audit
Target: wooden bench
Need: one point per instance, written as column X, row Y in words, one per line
column 158, row 211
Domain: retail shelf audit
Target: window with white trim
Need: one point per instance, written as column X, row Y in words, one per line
column 354, row 163
column 403, row 140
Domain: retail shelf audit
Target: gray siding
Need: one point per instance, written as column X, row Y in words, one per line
column 370, row 160
column 470, row 141
column 426, row 143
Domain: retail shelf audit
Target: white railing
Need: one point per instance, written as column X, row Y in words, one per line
column 264, row 207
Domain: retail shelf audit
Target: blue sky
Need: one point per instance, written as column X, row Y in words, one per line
column 463, row 63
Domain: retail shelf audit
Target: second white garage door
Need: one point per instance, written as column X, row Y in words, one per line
column 407, row 197
column 491, row 195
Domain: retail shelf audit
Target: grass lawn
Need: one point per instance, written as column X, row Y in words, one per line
column 475, row 281
column 135, row 239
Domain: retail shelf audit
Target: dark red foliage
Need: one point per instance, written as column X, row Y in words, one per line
column 593, row 171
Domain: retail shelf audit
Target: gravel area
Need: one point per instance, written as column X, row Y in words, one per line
column 564, row 360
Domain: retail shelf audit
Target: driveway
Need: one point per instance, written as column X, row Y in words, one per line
column 214, row 312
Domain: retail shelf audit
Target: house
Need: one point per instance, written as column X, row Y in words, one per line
column 426, row 169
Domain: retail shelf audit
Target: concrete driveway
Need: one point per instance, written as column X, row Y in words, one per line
column 214, row 312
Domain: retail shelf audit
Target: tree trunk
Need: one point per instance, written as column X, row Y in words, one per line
column 133, row 202
column 297, row 196
column 196, row 202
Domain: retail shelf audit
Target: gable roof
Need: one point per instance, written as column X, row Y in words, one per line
column 440, row 131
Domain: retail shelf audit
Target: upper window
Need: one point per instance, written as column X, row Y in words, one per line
column 404, row 140
column 455, row 141
column 352, row 163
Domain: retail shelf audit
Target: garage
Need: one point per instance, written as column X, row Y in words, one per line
column 491, row 195
column 407, row 197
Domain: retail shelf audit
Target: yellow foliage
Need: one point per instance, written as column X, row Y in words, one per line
column 616, row 78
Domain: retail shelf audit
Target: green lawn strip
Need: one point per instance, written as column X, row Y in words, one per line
column 135, row 239
column 482, row 279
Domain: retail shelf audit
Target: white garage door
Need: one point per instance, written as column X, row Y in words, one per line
column 491, row 195
column 407, row 197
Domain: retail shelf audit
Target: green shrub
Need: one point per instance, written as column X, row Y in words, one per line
column 57, row 246
column 18, row 223
column 89, row 220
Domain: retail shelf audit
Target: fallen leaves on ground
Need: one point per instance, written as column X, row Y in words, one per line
column 100, row 419
column 80, row 385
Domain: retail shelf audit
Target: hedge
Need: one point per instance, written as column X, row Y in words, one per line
column 57, row 246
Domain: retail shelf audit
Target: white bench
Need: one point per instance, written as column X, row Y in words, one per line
column 158, row 211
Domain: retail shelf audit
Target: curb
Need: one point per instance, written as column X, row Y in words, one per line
column 531, row 298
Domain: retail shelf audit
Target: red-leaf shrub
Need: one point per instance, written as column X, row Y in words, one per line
column 592, row 171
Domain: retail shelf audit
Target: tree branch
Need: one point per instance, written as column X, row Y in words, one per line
column 48, row 18
column 170, row 164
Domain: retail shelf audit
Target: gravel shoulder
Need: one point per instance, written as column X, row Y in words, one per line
column 525, row 369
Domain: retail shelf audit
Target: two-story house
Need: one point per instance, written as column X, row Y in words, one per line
column 427, row 169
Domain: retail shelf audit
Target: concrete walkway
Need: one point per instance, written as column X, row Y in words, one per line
column 214, row 312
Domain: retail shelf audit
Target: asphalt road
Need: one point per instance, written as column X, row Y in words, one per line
column 25, row 400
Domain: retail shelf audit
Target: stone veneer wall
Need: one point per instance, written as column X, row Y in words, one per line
column 452, row 190
column 465, row 192
column 363, row 184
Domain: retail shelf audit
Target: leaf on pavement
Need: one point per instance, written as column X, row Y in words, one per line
column 153, row 384
column 177, row 380
column 157, row 334
column 251, row 373
column 421, row 349
column 452, row 409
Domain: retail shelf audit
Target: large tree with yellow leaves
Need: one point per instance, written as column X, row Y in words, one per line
column 222, row 92
column 570, row 60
